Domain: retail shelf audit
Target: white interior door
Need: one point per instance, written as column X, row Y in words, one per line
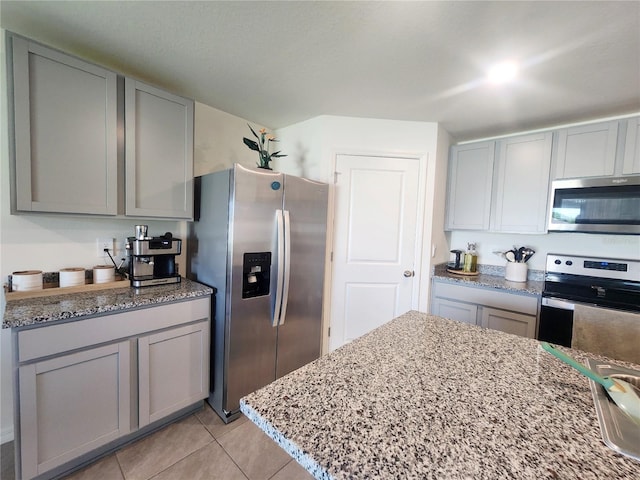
column 374, row 250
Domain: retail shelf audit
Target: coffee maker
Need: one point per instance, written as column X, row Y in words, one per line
column 152, row 260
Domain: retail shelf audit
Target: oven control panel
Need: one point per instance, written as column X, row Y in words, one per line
column 613, row 268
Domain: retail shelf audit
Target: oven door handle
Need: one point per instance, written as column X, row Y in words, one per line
column 556, row 303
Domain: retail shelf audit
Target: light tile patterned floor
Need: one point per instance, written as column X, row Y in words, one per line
column 198, row 447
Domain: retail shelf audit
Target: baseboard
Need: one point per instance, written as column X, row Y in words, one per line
column 6, row 435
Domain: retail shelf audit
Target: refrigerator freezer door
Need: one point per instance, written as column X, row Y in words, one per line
column 250, row 342
column 300, row 332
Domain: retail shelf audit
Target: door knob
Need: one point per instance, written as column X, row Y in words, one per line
column 409, row 273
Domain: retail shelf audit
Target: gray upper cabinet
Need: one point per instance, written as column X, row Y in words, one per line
column 65, row 125
column 69, row 154
column 470, row 182
column 522, row 184
column 158, row 152
column 631, row 162
column 586, row 151
column 500, row 186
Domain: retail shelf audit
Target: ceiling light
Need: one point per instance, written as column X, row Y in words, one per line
column 502, row 73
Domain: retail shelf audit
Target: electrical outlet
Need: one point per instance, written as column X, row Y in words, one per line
column 102, row 244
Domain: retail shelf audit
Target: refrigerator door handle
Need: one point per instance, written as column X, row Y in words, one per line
column 275, row 317
column 287, row 266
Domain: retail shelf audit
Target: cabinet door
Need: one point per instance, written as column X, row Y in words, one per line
column 463, row 312
column 65, row 132
column 631, row 163
column 158, row 152
column 72, row 404
column 587, row 151
column 510, row 322
column 173, row 370
column 470, row 182
column 522, row 185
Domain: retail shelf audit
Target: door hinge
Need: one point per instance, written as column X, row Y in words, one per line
column 329, row 332
column 331, row 257
column 335, row 176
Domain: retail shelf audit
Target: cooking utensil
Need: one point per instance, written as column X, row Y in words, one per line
column 510, row 256
column 528, row 253
column 621, row 392
column 520, row 254
column 500, row 254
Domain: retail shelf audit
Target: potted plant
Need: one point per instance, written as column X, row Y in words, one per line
column 262, row 147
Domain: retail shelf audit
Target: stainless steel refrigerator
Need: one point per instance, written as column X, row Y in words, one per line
column 259, row 238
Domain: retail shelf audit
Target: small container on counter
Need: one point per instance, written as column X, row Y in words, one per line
column 26, row 280
column 103, row 274
column 71, row 277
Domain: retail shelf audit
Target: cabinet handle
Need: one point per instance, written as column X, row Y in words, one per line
column 409, row 273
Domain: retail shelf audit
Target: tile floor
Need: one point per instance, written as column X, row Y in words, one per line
column 198, row 447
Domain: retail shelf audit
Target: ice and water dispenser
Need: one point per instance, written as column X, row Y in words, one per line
column 256, row 268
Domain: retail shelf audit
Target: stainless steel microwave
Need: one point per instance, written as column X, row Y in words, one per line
column 596, row 205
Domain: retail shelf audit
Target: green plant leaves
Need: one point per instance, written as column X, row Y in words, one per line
column 251, row 144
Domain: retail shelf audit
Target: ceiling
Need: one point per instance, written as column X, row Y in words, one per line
column 279, row 63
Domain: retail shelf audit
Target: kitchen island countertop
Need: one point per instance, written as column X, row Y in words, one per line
column 32, row 312
column 426, row 397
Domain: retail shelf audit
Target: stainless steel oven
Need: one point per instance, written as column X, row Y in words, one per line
column 571, row 281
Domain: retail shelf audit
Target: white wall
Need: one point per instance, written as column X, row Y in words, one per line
column 218, row 141
column 50, row 242
column 612, row 246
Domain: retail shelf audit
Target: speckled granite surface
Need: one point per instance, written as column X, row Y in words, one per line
column 29, row 312
column 492, row 276
column 424, row 397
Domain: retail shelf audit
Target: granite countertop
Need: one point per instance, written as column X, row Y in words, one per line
column 73, row 306
column 426, row 397
column 491, row 276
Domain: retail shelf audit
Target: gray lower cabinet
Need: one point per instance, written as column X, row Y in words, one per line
column 72, row 404
column 510, row 322
column 463, row 312
column 102, row 381
column 487, row 307
column 173, row 371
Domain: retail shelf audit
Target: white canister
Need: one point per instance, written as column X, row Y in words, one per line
column 26, row 280
column 516, row 272
column 71, row 277
column 103, row 274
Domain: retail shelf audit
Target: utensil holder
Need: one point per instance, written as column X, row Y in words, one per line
column 516, row 272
